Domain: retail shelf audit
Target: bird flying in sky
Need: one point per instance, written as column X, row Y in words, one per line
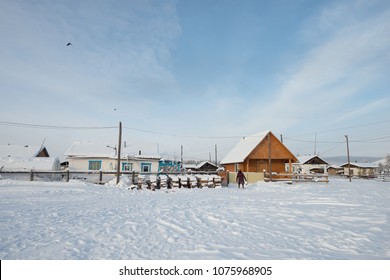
column 68, row 44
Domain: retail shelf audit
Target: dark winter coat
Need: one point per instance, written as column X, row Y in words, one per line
column 240, row 177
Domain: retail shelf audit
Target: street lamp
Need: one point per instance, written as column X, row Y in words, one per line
column 114, row 148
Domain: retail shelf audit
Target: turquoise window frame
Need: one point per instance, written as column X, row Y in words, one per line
column 127, row 164
column 91, row 164
column 146, row 164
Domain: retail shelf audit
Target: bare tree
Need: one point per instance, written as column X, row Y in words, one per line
column 384, row 168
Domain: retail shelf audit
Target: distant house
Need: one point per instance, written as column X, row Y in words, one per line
column 334, row 170
column 364, row 170
column 309, row 164
column 258, row 153
column 23, row 158
column 92, row 156
column 206, row 166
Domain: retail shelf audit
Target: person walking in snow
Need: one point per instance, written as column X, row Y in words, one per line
column 240, row 178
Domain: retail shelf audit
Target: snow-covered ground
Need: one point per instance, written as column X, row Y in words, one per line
column 78, row 220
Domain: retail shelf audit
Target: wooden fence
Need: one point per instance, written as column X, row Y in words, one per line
column 297, row 177
column 151, row 179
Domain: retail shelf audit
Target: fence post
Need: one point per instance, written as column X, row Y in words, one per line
column 32, row 175
column 67, row 175
column 100, row 176
column 227, row 177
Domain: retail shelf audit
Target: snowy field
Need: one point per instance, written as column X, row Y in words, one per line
column 77, row 220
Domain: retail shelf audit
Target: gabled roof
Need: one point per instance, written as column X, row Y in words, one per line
column 19, row 151
column 246, row 145
column 205, row 162
column 307, row 159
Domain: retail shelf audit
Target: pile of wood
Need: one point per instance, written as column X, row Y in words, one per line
column 154, row 182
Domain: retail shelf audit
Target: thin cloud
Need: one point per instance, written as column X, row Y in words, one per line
column 366, row 109
column 332, row 73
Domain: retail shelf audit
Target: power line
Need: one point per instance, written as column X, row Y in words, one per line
column 61, row 127
column 373, row 140
column 312, row 141
column 58, row 127
column 348, row 127
column 334, row 147
column 182, row 136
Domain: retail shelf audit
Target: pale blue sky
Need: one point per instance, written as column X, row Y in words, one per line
column 197, row 73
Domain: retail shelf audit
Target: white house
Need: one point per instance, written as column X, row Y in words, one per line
column 140, row 157
column 25, row 158
column 309, row 164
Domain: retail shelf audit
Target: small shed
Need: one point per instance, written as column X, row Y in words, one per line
column 258, row 153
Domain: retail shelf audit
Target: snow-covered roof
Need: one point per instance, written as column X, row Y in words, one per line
column 205, row 162
column 304, row 159
column 189, row 166
column 23, row 164
column 19, row 151
column 361, row 165
column 156, row 157
column 244, row 148
column 90, row 149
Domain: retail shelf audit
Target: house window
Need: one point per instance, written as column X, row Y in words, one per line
column 127, row 166
column 146, row 167
column 237, row 167
column 94, row 165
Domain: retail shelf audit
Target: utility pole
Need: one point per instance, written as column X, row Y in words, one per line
column 269, row 157
column 216, row 153
column 181, row 156
column 349, row 160
column 118, row 168
column 315, row 144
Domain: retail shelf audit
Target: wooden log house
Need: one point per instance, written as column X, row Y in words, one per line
column 259, row 153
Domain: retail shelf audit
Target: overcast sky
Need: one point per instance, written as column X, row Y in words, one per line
column 197, row 73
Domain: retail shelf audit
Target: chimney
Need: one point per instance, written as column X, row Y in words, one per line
column 139, row 152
